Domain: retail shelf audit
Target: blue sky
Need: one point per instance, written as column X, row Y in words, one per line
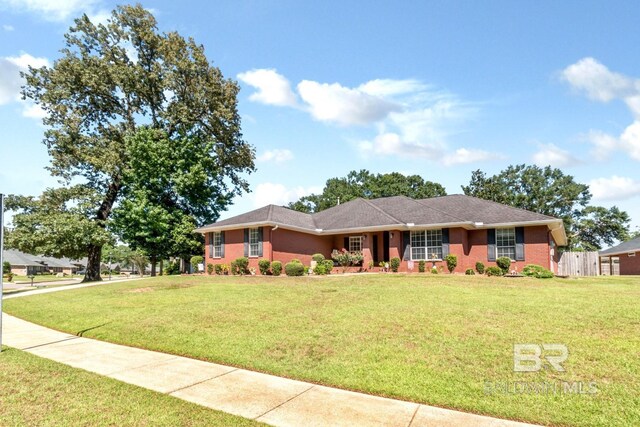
column 431, row 88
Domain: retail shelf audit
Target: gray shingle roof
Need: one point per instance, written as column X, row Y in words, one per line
column 270, row 214
column 389, row 212
column 17, row 258
column 472, row 209
column 632, row 245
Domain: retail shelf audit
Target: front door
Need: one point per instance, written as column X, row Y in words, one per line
column 385, row 246
column 375, row 249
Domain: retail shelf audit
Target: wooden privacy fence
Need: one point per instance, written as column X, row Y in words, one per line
column 579, row 264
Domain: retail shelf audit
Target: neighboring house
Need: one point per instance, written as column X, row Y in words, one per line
column 413, row 230
column 59, row 265
column 24, row 264
column 626, row 255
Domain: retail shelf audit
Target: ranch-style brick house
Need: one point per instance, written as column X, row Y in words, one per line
column 428, row 229
column 628, row 255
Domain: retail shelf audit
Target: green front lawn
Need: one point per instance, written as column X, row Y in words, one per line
column 441, row 340
column 39, row 392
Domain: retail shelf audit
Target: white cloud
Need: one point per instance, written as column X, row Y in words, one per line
column 389, row 87
column 410, row 119
column 630, row 140
column 10, row 80
column 7, row 27
column 614, row 188
column 277, row 194
column 33, row 111
column 552, row 155
column 342, row 105
column 603, row 144
column 599, row 83
column 272, row 88
column 392, row 144
column 276, row 155
column 53, row 10
column 465, row 156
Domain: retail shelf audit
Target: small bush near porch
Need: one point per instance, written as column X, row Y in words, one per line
column 438, row 339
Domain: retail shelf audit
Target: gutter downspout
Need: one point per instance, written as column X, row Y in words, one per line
column 271, row 241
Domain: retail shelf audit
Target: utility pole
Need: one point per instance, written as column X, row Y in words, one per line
column 1, row 261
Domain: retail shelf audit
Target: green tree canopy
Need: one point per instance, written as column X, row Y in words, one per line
column 366, row 185
column 550, row 192
column 114, row 78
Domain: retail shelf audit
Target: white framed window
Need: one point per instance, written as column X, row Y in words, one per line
column 254, row 242
column 355, row 243
column 506, row 243
column 426, row 245
column 217, row 244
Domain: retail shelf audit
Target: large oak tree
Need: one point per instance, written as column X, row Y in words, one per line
column 111, row 80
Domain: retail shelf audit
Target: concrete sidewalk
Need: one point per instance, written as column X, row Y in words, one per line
column 267, row 398
column 42, row 288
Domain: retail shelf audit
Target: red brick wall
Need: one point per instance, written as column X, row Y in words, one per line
column 288, row 245
column 470, row 246
column 630, row 265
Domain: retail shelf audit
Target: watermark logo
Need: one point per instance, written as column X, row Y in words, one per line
column 530, row 357
column 534, row 358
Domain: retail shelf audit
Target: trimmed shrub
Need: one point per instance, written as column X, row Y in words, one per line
column 452, row 262
column 421, row 266
column 504, row 262
column 394, row 263
column 319, row 258
column 434, row 270
column 234, row 268
column 328, row 266
column 319, row 269
column 219, row 269
column 480, row 267
column 537, row 271
column 195, row 261
column 264, row 265
column 241, row 266
column 494, row 271
column 276, row 268
column 172, row 268
column 346, row 258
column 6, row 267
column 469, row 272
column 211, row 268
column 294, row 268
column 545, row 274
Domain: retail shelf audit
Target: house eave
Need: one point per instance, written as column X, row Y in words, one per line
column 555, row 226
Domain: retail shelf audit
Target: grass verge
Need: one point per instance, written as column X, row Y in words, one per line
column 39, row 392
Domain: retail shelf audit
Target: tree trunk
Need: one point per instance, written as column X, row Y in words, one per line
column 93, row 264
column 161, row 267
column 94, row 254
column 154, row 260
